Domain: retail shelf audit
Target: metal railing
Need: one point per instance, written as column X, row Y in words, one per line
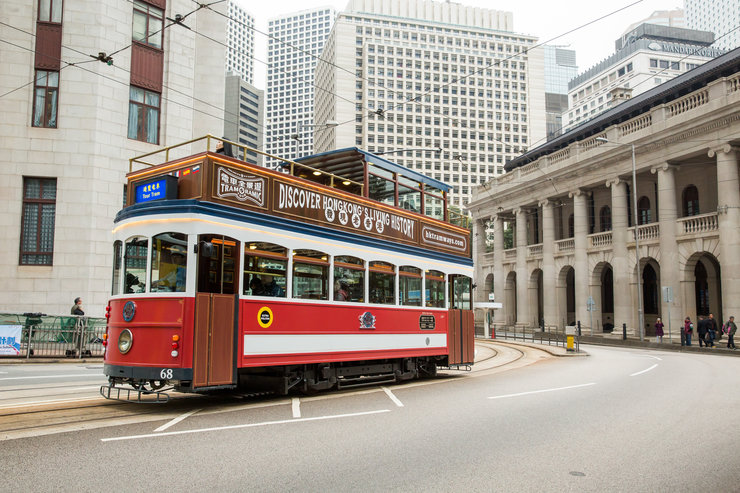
column 551, row 336
column 51, row 336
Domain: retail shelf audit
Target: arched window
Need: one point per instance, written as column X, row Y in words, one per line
column 605, row 218
column 643, row 210
column 690, row 201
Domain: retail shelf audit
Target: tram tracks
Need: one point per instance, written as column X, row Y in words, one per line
column 58, row 413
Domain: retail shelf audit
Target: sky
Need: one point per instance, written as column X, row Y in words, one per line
column 546, row 19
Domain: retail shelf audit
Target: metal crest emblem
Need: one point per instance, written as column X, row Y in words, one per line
column 129, row 310
column 367, row 320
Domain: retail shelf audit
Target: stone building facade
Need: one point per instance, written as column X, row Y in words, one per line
column 571, row 209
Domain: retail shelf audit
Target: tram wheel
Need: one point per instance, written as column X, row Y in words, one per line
column 157, row 384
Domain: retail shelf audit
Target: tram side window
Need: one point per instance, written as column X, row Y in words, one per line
column 349, row 279
column 381, row 186
column 310, row 275
column 409, row 286
column 117, row 248
column 265, row 267
column 134, row 265
column 435, row 289
column 382, row 283
column 409, row 194
column 169, row 262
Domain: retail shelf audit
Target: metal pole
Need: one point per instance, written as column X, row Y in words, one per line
column 640, row 314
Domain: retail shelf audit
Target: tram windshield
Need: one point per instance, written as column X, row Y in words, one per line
column 169, row 262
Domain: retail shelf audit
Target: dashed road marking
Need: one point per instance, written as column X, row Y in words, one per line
column 543, row 390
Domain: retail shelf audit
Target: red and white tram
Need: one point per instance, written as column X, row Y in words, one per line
column 339, row 270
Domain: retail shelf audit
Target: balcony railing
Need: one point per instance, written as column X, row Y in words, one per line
column 534, row 250
column 566, row 245
column 510, row 254
column 600, row 239
column 698, row 224
column 646, row 232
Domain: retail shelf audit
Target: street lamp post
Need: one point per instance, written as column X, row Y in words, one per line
column 640, row 315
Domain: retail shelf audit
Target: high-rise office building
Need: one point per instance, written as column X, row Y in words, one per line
column 70, row 127
column 243, row 116
column 295, row 43
column 419, row 76
column 645, row 57
column 560, row 68
column 718, row 16
column 240, row 41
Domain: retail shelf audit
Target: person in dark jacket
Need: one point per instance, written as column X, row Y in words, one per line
column 701, row 331
column 712, row 330
column 731, row 329
column 688, row 330
column 77, row 307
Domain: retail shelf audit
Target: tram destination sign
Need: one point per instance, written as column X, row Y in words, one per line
column 160, row 188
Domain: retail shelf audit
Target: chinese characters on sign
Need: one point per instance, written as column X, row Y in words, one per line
column 240, row 186
column 10, row 340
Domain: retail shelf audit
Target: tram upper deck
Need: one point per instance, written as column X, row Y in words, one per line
column 349, row 190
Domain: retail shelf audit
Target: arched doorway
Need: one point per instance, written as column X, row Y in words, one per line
column 651, row 295
column 702, row 286
column 565, row 288
column 510, row 300
column 536, row 298
column 607, row 298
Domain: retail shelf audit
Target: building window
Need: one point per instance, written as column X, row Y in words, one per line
column 50, row 10
column 45, row 101
column 143, row 115
column 690, row 201
column 37, row 224
column 571, row 227
column 605, row 218
column 643, row 210
column 147, row 24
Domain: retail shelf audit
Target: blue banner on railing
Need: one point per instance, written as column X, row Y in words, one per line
column 10, row 340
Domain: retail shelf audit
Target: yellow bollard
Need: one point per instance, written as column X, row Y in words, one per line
column 569, row 343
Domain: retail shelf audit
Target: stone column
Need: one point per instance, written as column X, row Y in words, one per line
column 580, row 235
column 669, row 265
column 499, row 279
column 522, row 279
column 549, row 295
column 728, row 208
column 624, row 311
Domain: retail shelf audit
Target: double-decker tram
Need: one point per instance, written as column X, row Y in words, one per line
column 341, row 269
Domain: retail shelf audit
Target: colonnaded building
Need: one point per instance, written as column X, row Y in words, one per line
column 84, row 86
column 564, row 243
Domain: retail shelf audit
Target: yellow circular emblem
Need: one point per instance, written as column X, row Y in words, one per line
column 264, row 317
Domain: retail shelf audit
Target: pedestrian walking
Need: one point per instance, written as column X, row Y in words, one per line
column 658, row 331
column 688, row 330
column 701, row 331
column 731, row 329
column 711, row 330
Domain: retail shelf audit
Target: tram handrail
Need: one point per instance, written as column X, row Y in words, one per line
column 244, row 149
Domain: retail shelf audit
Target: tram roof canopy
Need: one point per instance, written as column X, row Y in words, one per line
column 350, row 163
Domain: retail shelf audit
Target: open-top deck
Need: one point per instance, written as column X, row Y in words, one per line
column 348, row 189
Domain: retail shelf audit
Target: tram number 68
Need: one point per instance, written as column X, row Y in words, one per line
column 165, row 374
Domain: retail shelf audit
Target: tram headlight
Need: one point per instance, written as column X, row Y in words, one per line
column 125, row 341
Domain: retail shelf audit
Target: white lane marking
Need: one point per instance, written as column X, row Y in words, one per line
column 236, row 427
column 644, row 371
column 176, row 420
column 97, row 375
column 51, row 401
column 296, row 404
column 654, row 357
column 541, row 391
column 392, row 397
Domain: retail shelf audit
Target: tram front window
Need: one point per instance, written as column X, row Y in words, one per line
column 382, row 283
column 134, row 265
column 435, row 289
column 310, row 275
column 265, row 266
column 117, row 247
column 169, row 262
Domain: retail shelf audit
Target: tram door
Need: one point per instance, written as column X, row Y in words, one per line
column 216, row 312
column 461, row 330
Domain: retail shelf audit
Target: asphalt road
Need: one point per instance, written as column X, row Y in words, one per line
column 618, row 420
